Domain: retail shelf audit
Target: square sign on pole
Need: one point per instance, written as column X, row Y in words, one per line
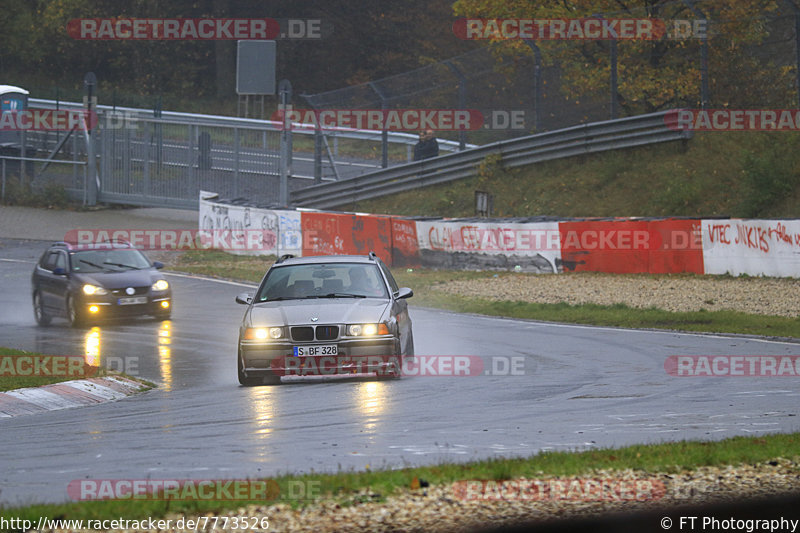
column 255, row 67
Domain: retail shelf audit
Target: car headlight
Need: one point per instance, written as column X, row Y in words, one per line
column 263, row 334
column 160, row 285
column 93, row 290
column 367, row 330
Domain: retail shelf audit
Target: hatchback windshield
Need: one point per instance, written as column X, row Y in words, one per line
column 111, row 260
column 331, row 280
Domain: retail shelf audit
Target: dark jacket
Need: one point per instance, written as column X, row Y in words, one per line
column 425, row 149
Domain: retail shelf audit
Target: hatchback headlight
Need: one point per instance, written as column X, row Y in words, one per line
column 367, row 330
column 93, row 290
column 263, row 334
column 160, row 285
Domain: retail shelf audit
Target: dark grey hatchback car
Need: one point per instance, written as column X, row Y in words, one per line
column 92, row 282
column 324, row 315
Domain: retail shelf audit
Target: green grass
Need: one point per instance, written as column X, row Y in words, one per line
column 11, row 382
column 744, row 174
column 425, row 283
column 223, row 265
column 427, row 292
column 345, row 487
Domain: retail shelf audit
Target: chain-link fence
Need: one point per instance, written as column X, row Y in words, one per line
column 744, row 62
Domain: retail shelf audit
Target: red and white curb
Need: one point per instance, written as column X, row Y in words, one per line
column 66, row 394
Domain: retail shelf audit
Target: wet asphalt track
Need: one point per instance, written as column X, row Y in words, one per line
column 582, row 387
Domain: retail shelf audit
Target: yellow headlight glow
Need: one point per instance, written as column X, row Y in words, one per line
column 262, row 334
column 93, row 289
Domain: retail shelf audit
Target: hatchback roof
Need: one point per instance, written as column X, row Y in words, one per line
column 108, row 245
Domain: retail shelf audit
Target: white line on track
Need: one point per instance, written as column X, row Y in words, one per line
column 204, row 278
column 532, row 324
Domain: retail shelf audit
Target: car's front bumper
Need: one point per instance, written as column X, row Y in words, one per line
column 108, row 306
column 357, row 356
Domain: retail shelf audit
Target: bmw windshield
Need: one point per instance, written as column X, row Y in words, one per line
column 331, row 280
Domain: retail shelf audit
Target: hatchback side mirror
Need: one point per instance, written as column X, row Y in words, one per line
column 244, row 298
column 158, row 264
column 59, row 271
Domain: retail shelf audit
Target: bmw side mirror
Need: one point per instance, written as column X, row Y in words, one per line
column 404, row 292
column 59, row 271
column 244, row 298
column 158, row 264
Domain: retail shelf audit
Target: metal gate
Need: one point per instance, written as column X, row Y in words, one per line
column 161, row 162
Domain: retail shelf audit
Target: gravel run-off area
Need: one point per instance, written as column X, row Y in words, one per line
column 762, row 296
column 450, row 508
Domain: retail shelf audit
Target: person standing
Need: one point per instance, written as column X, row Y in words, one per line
column 426, row 147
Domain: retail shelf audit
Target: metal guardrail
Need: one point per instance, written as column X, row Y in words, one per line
column 223, row 121
column 584, row 139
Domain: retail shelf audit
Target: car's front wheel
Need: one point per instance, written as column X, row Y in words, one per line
column 42, row 318
column 74, row 316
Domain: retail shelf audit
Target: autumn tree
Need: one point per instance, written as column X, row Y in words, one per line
column 666, row 72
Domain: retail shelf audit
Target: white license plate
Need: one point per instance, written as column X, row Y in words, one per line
column 319, row 349
column 132, row 301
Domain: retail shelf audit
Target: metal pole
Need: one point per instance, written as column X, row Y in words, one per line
column 237, row 158
column 318, row 153
column 537, row 83
column 704, row 90
column 614, row 88
column 285, row 92
column 23, row 153
column 797, row 52
column 384, row 132
column 89, row 82
column 462, row 101
column 613, row 67
column 317, row 144
column 796, row 11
